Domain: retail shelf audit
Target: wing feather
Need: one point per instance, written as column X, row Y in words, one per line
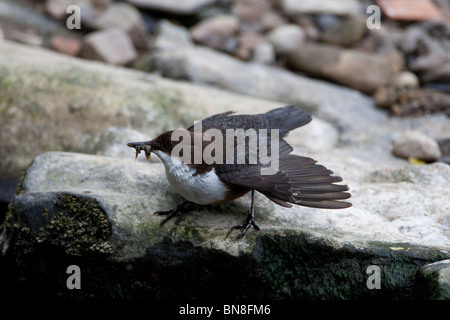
column 299, row 181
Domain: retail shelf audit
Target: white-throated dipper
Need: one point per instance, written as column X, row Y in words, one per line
column 224, row 156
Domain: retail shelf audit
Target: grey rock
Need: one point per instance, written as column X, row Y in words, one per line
column 272, row 20
column 406, row 79
column 170, row 36
column 251, row 13
column 356, row 69
column 85, row 92
column 28, row 38
column 203, row 65
column 264, row 53
column 426, row 45
column 101, row 208
column 127, row 18
column 21, row 16
column 414, row 144
column 439, row 275
column 112, row 46
column 345, row 32
column 286, row 37
column 337, row 7
column 215, row 32
column 186, row 7
column 247, row 43
column 318, row 136
column 58, row 8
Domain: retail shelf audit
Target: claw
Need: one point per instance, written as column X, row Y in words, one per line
column 249, row 222
column 178, row 212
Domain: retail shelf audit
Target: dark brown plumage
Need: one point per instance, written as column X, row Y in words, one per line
column 299, row 180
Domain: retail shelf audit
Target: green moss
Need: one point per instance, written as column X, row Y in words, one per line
column 80, row 226
column 301, row 267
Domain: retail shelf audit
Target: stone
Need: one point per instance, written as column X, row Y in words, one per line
column 439, row 275
column 29, row 37
column 415, row 10
column 319, row 136
column 250, row 13
column 206, row 66
column 19, row 15
column 69, row 46
column 98, row 210
column 58, row 8
column 264, row 53
column 346, row 32
column 272, row 20
column 215, row 32
column 171, row 36
column 338, row 7
column 406, row 79
column 186, row 7
column 359, row 70
column 285, row 38
column 414, row 144
column 101, row 209
column 112, row 46
column 127, row 18
column 247, row 43
column 427, row 52
column 67, row 116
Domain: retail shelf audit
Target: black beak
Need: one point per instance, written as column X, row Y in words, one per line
column 138, row 146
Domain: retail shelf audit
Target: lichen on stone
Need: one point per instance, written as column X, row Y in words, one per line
column 80, row 226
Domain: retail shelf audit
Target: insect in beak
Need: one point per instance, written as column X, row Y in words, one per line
column 141, row 146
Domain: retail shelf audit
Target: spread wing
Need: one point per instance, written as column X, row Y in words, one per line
column 299, row 180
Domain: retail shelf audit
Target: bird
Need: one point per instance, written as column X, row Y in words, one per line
column 293, row 180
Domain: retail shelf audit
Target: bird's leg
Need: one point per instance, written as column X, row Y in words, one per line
column 178, row 211
column 249, row 221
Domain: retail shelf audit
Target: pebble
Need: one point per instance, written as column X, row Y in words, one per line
column 185, row 7
column 285, row 38
column 264, row 53
column 338, row 7
column 356, row 69
column 126, row 17
column 247, row 43
column 406, row 79
column 215, row 32
column 171, row 36
column 345, row 32
column 414, row 144
column 251, row 13
column 410, row 10
column 112, row 46
column 65, row 45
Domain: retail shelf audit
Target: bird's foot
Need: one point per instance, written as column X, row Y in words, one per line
column 178, row 211
column 249, row 221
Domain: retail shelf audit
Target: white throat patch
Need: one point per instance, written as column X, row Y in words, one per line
column 201, row 189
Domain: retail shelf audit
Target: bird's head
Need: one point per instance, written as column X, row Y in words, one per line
column 163, row 143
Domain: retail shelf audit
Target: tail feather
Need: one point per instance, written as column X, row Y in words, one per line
column 311, row 185
column 326, row 204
